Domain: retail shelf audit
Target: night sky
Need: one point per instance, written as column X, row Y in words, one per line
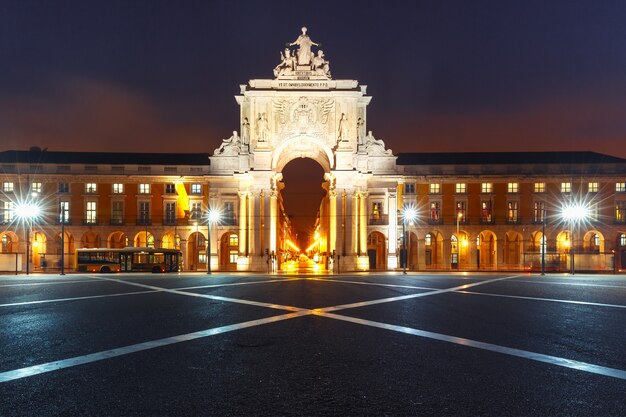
column 444, row 75
column 160, row 76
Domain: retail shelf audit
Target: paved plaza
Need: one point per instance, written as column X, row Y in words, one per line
column 346, row 345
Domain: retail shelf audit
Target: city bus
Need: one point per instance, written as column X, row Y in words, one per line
column 155, row 260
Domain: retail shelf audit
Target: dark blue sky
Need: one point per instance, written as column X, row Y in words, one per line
column 444, row 75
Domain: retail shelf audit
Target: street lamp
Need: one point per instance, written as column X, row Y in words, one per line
column 574, row 213
column 459, row 216
column 26, row 212
column 409, row 214
column 213, row 216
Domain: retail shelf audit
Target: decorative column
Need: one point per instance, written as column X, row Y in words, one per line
column 363, row 223
column 354, row 235
column 332, row 212
column 392, row 233
column 252, row 203
column 243, row 226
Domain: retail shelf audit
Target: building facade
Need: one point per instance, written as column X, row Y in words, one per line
column 475, row 211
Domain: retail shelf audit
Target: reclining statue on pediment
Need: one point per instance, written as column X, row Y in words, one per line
column 230, row 146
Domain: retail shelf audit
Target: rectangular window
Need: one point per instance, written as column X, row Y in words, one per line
column 64, row 187
column 461, row 213
column 434, row 188
column 377, row 210
column 540, row 187
column 170, row 189
column 118, row 188
column 593, row 187
column 170, row 213
column 117, row 212
column 196, row 188
column 144, row 213
column 91, row 187
column 512, row 187
column 512, row 212
column 196, row 211
column 460, row 188
column 620, row 187
column 566, row 187
column 539, row 211
column 64, row 212
column 90, row 214
column 620, row 211
column 7, row 212
column 36, row 187
column 409, row 188
column 486, row 187
column 435, row 211
column 144, row 188
column 7, row 187
column 485, row 211
column 229, row 213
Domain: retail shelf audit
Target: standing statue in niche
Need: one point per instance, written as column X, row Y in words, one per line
column 262, row 128
column 304, row 48
column 342, row 131
column 360, row 126
column 245, row 132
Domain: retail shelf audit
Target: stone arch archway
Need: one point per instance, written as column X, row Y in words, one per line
column 488, row 249
column 302, row 147
column 229, row 251
column 377, row 251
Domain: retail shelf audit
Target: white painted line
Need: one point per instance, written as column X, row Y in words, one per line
column 371, row 283
column 579, row 284
column 88, row 297
column 409, row 296
column 107, row 354
column 30, row 284
column 210, row 297
column 554, row 300
column 539, row 357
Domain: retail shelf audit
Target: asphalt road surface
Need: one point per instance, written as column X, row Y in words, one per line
column 345, row 345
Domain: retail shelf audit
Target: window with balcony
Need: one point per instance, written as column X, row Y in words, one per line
column 144, row 188
column 117, row 212
column 620, row 211
column 90, row 213
column 620, row 187
column 461, row 212
column 229, row 213
column 512, row 187
column 64, row 212
column 460, row 188
column 7, row 187
column 118, row 188
column 91, row 188
column 144, row 213
column 196, row 211
column 170, row 213
column 512, row 210
column 594, row 212
column 622, row 239
column 539, row 211
column 540, row 187
column 566, row 187
column 409, row 188
column 486, row 212
column 196, row 188
column 486, row 187
column 435, row 212
column 376, row 215
column 593, row 187
column 170, row 188
column 7, row 212
column 434, row 188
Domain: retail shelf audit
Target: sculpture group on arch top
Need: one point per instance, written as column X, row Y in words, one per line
column 304, row 105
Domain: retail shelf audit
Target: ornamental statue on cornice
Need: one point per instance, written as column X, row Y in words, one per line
column 302, row 62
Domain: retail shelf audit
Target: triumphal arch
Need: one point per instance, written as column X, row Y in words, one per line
column 303, row 112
